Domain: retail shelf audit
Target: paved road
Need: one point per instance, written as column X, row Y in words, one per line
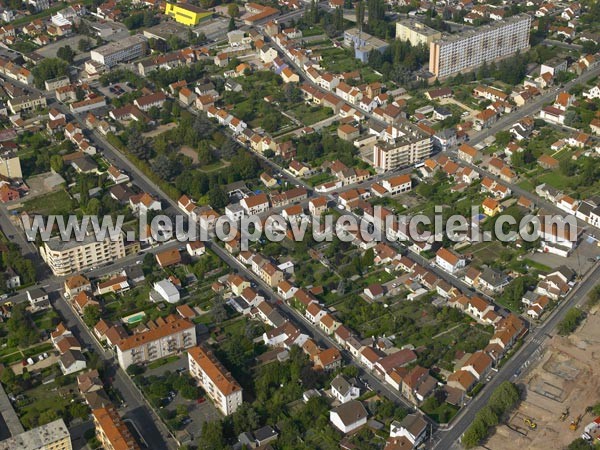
column 529, row 109
column 529, row 350
column 155, row 431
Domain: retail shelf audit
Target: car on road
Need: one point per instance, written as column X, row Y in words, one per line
column 201, row 400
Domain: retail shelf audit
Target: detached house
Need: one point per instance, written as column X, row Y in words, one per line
column 349, row 416
column 343, row 390
column 467, row 153
column 449, row 260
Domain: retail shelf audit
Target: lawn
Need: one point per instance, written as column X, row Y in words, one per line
column 378, row 277
column 527, row 185
column 320, row 178
column 442, row 413
column 339, row 60
column 312, row 31
column 538, row 266
column 161, row 362
column 212, row 167
column 485, row 252
column 59, row 203
column 309, row 115
column 44, row 402
column 555, row 179
column 46, row 320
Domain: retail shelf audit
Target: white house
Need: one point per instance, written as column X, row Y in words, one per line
column 195, row 248
column 348, row 416
column 314, row 313
column 343, row 391
column 413, row 427
column 255, row 204
column 592, row 93
column 38, row 298
column 398, row 184
column 449, row 261
column 286, row 290
column 72, row 361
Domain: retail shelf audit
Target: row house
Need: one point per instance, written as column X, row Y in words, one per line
column 289, row 197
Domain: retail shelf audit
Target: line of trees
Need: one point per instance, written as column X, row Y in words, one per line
column 571, row 321
column 502, row 400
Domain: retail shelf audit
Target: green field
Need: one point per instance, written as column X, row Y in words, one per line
column 310, row 115
column 59, row 203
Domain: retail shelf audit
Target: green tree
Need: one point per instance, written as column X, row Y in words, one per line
column 503, row 138
column 48, row 69
column 212, row 436
column 91, row 315
column 368, row 258
column 476, row 432
column 579, row 444
column 233, row 10
column 66, row 53
column 571, row 321
column 232, row 26
column 56, row 163
column 93, row 207
column 217, row 197
column 360, row 14
column 79, row 411
column 593, row 299
column 488, row 416
column 84, row 45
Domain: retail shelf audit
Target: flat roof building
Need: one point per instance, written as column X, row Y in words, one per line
column 363, row 43
column 51, row 436
column 127, row 49
column 411, row 145
column 67, row 257
column 186, row 13
column 416, row 32
column 465, row 51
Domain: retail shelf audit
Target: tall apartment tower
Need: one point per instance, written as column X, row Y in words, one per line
column 465, row 51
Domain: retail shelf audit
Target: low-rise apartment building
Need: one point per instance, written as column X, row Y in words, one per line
column 111, row 431
column 219, row 384
column 167, row 339
column 65, row 258
column 409, row 146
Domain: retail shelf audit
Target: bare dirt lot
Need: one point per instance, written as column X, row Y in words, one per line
column 564, row 379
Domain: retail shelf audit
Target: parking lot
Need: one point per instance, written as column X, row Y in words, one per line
column 50, row 50
column 198, row 412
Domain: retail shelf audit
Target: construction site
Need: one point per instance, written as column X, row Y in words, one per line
column 559, row 389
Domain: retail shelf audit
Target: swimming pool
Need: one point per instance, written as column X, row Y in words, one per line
column 134, row 318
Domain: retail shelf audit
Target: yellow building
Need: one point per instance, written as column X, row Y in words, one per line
column 186, row 14
column 490, row 207
column 416, row 33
